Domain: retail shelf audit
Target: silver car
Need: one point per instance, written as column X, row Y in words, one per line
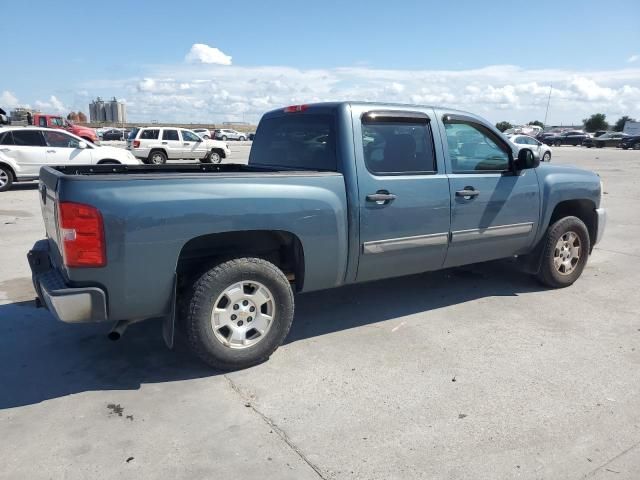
column 539, row 149
column 225, row 134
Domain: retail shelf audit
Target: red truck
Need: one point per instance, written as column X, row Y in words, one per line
column 56, row 121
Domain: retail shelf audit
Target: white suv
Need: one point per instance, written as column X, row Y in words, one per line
column 24, row 150
column 158, row 144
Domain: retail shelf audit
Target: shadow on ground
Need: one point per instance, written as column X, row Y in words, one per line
column 43, row 359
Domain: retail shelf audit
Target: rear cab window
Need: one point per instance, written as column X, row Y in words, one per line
column 296, row 141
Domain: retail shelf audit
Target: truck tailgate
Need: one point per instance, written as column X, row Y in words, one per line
column 48, row 187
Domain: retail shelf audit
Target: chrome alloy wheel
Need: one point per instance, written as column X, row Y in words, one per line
column 566, row 255
column 157, row 159
column 4, row 178
column 243, row 314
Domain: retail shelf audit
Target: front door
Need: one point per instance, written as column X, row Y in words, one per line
column 494, row 211
column 63, row 149
column 192, row 145
column 403, row 193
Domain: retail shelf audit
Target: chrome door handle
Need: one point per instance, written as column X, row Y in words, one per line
column 51, row 151
column 468, row 192
column 381, row 197
column 5, row 149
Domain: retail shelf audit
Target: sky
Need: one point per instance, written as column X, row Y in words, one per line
column 210, row 61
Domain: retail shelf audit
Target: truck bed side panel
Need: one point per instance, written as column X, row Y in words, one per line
column 147, row 223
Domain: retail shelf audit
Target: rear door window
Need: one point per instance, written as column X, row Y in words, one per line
column 6, row 138
column 150, row 134
column 28, row 138
column 297, row 141
column 170, row 135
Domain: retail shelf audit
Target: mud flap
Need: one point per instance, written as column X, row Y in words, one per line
column 169, row 322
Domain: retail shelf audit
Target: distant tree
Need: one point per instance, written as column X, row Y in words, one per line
column 537, row 123
column 596, row 122
column 502, row 126
column 619, row 126
column 82, row 118
column 73, row 116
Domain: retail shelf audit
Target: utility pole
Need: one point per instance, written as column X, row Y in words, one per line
column 547, row 111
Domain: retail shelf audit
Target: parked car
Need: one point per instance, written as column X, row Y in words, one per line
column 609, row 139
column 158, row 144
column 251, row 135
column 203, row 133
column 630, row 141
column 114, row 134
column 4, row 118
column 225, row 247
column 539, row 149
column 24, row 150
column 570, row 137
column 56, row 121
column 225, row 134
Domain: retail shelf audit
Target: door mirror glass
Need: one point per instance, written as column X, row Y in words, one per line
column 526, row 160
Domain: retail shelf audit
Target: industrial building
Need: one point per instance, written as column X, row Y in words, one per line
column 112, row 111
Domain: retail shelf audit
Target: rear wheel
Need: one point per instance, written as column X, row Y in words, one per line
column 6, row 178
column 242, row 139
column 224, row 138
column 565, row 252
column 239, row 313
column 557, row 143
column 157, row 157
column 636, row 146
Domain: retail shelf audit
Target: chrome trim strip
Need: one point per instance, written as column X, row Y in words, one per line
column 393, row 244
column 492, row 232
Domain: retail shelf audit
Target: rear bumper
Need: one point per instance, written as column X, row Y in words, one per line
column 601, row 217
column 67, row 304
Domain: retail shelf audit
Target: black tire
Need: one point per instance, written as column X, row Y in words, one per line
column 206, row 137
column 557, row 143
column 636, row 146
column 224, row 138
column 546, row 157
column 109, row 162
column 214, row 157
column 6, row 176
column 549, row 275
column 207, row 290
column 242, row 139
column 157, row 157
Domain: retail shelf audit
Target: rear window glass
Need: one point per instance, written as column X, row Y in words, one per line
column 28, row 138
column 299, row 142
column 149, row 134
column 170, row 135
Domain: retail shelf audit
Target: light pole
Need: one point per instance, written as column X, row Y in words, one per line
column 547, row 110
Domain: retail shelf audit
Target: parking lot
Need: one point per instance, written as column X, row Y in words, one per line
column 476, row 372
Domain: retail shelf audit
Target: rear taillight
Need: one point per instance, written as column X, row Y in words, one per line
column 295, row 108
column 82, row 235
column 136, row 144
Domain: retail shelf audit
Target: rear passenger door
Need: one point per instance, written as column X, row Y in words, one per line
column 171, row 143
column 494, row 210
column 28, row 151
column 403, row 193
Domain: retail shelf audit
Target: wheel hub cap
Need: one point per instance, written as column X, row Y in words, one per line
column 243, row 314
column 4, row 178
column 567, row 252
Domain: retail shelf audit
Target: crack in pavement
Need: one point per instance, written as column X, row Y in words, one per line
column 283, row 436
column 611, row 460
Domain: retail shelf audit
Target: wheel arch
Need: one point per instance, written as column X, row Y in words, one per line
column 583, row 208
column 282, row 248
column 12, row 171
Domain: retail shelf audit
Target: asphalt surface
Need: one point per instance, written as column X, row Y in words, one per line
column 475, row 373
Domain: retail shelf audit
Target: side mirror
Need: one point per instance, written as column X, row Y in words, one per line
column 526, row 160
column 82, row 145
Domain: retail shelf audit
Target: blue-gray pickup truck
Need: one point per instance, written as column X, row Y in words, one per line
column 334, row 193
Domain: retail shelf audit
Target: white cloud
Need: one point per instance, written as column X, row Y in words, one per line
column 52, row 105
column 201, row 53
column 8, row 100
column 633, row 58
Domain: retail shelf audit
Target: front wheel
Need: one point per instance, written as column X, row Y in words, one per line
column 213, row 157
column 241, row 139
column 239, row 313
column 546, row 157
column 224, row 138
column 565, row 252
column 6, row 178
